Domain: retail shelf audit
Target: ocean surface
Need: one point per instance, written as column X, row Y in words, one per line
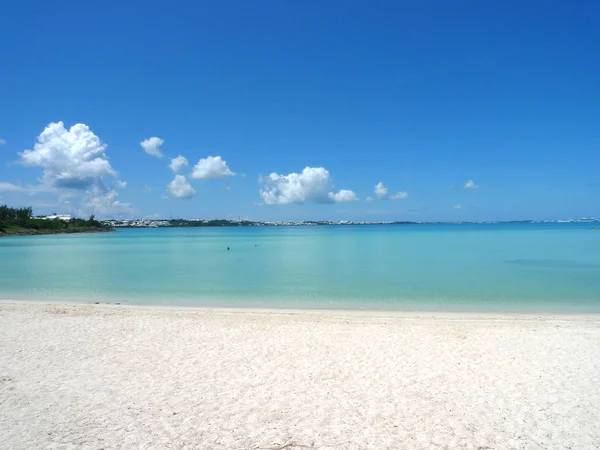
column 479, row 267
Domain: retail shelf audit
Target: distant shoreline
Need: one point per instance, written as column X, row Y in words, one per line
column 218, row 223
column 35, row 232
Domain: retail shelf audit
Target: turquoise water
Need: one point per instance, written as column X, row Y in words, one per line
column 537, row 267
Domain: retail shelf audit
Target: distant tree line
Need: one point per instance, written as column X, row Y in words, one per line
column 22, row 218
column 7, row 213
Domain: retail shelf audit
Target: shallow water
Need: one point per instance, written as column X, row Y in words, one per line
column 499, row 267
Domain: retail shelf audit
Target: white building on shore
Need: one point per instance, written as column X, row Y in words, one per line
column 64, row 217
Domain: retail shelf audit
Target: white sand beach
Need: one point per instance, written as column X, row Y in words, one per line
column 106, row 377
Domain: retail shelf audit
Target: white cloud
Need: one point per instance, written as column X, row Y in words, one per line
column 74, row 165
column 2, row 141
column 313, row 185
column 344, row 195
column 27, row 188
column 399, row 196
column 457, row 207
column 211, row 167
column 9, row 187
column 106, row 204
column 380, row 190
column 147, row 189
column 369, row 199
column 470, row 185
column 180, row 188
column 70, row 159
column 178, row 163
column 152, row 146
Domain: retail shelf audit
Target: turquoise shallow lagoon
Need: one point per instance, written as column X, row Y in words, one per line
column 488, row 267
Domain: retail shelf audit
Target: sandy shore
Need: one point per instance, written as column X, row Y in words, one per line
column 104, row 377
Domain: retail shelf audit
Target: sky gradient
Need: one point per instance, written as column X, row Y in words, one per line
column 280, row 110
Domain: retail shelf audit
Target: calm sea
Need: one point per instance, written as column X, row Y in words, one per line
column 509, row 267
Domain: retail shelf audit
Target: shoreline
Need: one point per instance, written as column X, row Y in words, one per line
column 314, row 312
column 35, row 232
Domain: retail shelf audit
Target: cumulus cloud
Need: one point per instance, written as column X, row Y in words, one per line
column 312, row 185
column 152, row 146
column 70, row 159
column 74, row 165
column 399, row 196
column 211, row 167
column 344, row 195
column 380, row 190
column 180, row 188
column 369, row 199
column 178, row 163
column 457, row 207
column 2, row 141
column 470, row 185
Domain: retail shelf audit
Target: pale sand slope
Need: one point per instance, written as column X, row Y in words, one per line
column 87, row 376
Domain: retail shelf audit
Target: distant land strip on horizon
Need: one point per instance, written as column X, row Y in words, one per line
column 180, row 223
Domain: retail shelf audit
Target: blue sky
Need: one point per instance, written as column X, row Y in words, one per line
column 421, row 96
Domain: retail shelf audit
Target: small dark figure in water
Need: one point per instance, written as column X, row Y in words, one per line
column 255, row 245
column 227, row 248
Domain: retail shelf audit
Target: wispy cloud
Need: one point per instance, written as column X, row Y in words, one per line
column 27, row 188
column 106, row 205
column 399, row 196
column 9, row 187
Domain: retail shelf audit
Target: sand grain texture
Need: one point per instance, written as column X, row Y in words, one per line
column 105, row 377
